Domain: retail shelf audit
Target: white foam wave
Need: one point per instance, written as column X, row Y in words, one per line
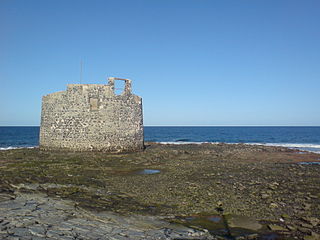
column 10, row 148
column 309, row 147
column 315, row 148
column 182, row 143
column 294, row 145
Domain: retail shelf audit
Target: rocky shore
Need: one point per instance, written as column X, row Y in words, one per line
column 205, row 191
column 37, row 216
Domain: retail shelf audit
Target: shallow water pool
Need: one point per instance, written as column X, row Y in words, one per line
column 148, row 171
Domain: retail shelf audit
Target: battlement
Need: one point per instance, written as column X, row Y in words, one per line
column 92, row 117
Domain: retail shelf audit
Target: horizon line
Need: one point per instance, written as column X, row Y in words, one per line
column 192, row 125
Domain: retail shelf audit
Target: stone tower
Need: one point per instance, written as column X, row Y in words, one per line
column 92, row 117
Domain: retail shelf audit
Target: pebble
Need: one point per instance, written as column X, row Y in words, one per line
column 273, row 205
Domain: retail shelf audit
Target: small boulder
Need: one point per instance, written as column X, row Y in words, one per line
column 311, row 220
column 313, row 236
column 274, row 227
column 244, row 222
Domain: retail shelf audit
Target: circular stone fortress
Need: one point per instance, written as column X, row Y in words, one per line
column 92, row 117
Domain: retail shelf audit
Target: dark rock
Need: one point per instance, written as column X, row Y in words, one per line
column 304, row 230
column 274, row 227
column 311, row 220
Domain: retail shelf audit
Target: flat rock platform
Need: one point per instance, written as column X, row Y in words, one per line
column 167, row 191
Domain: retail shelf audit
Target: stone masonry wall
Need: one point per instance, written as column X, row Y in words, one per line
column 91, row 117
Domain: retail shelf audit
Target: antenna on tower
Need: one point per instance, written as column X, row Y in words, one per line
column 81, row 63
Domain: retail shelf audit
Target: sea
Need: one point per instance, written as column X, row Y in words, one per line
column 302, row 138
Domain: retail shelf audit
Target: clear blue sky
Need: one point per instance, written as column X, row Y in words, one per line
column 197, row 62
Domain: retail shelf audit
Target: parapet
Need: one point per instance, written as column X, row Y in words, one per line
column 92, row 117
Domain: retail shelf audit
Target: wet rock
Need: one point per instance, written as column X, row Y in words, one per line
column 307, row 206
column 313, row 236
column 285, row 216
column 274, row 227
column 311, row 220
column 304, row 230
column 252, row 236
column 20, row 232
column 306, row 225
column 243, row 222
column 291, row 228
column 6, row 197
column 273, row 186
column 273, row 205
column 38, row 231
column 11, row 237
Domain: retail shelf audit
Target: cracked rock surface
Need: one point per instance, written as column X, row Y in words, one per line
column 37, row 217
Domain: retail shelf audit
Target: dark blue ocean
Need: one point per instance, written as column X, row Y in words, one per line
column 305, row 138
